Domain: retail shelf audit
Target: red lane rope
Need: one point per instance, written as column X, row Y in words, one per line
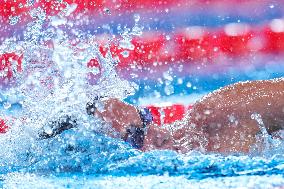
column 197, row 44
column 188, row 45
column 22, row 7
column 168, row 114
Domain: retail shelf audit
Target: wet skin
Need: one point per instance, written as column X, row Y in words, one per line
column 219, row 122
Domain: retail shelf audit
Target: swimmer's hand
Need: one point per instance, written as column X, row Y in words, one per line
column 54, row 128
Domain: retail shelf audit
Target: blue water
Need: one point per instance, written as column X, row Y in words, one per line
column 97, row 161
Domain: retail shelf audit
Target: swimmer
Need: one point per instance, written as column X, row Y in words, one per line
column 228, row 120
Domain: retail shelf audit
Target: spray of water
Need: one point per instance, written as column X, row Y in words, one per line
column 265, row 145
column 54, row 84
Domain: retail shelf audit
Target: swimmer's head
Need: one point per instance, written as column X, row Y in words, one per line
column 132, row 123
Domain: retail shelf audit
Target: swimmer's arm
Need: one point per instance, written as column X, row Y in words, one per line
column 55, row 127
column 224, row 116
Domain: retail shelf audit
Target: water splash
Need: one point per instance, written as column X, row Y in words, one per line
column 54, row 84
column 267, row 138
column 265, row 144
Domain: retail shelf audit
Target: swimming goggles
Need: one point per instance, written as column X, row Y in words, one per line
column 135, row 135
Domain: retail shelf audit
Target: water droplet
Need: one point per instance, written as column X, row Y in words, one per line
column 7, row 105
column 126, row 44
column 207, row 112
column 30, row 2
column 100, row 106
column 107, row 11
column 169, row 89
column 136, row 17
column 125, row 54
column 95, row 70
column 136, row 30
column 232, row 118
column 57, row 21
column 167, row 76
column 70, row 9
column 188, row 84
column 13, row 20
column 47, row 129
column 180, row 80
column 157, row 94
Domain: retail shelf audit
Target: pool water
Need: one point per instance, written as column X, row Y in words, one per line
column 97, row 161
column 54, row 84
column 68, row 181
